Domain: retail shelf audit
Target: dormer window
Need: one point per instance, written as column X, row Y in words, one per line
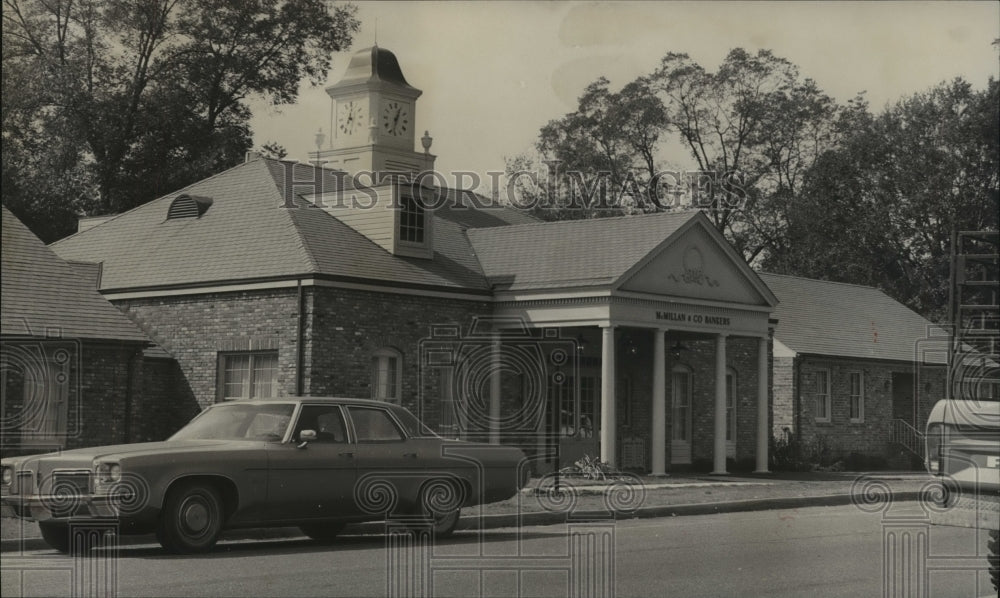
column 411, row 221
column 188, row 206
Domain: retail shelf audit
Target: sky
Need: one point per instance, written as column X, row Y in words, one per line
column 493, row 73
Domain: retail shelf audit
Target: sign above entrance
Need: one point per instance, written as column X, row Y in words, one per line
column 699, row 319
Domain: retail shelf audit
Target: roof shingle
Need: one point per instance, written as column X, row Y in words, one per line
column 42, row 294
column 846, row 320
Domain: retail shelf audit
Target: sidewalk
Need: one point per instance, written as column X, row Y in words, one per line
column 686, row 494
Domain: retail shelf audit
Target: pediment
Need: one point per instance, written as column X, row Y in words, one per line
column 694, row 264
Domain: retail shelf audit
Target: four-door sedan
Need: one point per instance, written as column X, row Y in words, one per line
column 316, row 463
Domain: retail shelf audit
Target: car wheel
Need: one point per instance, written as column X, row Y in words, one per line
column 440, row 502
column 322, row 532
column 191, row 519
column 55, row 535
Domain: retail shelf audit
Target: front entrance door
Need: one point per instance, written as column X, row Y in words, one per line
column 680, row 415
column 902, row 397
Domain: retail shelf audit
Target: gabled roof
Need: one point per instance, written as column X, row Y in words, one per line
column 43, row 295
column 248, row 233
column 572, row 252
column 846, row 320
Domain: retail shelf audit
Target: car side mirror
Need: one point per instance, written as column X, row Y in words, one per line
column 305, row 437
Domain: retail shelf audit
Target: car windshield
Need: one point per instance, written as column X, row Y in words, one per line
column 239, row 421
column 414, row 427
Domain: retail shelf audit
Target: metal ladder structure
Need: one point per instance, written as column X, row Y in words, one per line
column 974, row 313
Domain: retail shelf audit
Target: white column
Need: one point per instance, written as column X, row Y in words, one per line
column 763, row 429
column 495, row 392
column 659, row 436
column 608, row 425
column 719, row 450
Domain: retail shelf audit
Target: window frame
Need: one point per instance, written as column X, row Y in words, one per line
column 411, row 228
column 221, row 363
column 860, row 419
column 403, row 436
column 827, row 403
column 377, row 357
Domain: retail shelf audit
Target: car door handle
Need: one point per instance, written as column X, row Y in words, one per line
column 348, row 455
column 410, row 455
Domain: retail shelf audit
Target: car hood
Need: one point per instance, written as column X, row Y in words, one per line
column 83, row 457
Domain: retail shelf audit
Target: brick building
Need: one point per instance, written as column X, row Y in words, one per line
column 645, row 340
column 72, row 364
column 855, row 372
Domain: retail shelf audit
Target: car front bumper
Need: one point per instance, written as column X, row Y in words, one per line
column 59, row 508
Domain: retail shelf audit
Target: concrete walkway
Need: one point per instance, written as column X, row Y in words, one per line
column 636, row 497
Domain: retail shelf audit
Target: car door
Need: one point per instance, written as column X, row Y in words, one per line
column 315, row 481
column 384, row 454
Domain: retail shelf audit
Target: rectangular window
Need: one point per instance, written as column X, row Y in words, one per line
column 822, row 395
column 730, row 407
column 411, row 220
column 374, row 425
column 856, row 400
column 248, row 375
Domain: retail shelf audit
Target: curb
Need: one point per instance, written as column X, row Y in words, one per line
column 485, row 522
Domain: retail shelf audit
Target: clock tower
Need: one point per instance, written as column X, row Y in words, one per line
column 373, row 118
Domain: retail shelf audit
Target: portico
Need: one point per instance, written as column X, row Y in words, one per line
column 690, row 288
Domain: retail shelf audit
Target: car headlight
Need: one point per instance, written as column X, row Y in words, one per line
column 108, row 472
column 8, row 476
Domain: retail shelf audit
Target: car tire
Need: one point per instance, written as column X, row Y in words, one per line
column 55, row 535
column 442, row 524
column 191, row 520
column 322, row 532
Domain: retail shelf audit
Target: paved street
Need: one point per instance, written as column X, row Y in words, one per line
column 822, row 551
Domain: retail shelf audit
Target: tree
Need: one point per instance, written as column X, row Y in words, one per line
column 879, row 208
column 751, row 129
column 753, row 119
column 110, row 103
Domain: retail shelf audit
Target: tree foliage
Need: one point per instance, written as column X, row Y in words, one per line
column 824, row 190
column 879, row 208
column 110, row 103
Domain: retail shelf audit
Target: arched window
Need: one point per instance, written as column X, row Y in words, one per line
column 387, row 369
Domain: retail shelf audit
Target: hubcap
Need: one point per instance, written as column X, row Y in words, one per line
column 195, row 516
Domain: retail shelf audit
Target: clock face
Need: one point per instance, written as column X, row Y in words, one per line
column 350, row 118
column 395, row 118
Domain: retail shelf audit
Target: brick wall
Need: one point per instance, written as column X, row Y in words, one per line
column 164, row 403
column 840, row 436
column 196, row 328
column 348, row 326
column 96, row 399
column 784, row 395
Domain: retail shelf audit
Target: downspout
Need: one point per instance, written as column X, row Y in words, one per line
column 300, row 335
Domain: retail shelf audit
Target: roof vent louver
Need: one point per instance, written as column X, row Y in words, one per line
column 188, row 206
